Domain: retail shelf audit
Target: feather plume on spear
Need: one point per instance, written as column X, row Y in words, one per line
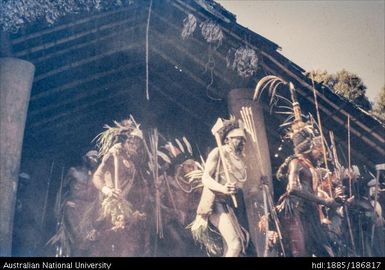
column 273, row 82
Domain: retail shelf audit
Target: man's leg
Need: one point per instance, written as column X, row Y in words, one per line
column 223, row 222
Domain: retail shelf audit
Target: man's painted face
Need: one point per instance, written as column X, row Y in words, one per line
column 237, row 143
column 188, row 166
column 132, row 145
column 316, row 152
column 91, row 162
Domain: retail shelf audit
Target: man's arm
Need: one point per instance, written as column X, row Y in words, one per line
column 210, row 170
column 98, row 177
column 295, row 188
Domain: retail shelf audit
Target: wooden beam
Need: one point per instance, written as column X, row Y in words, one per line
column 73, row 131
column 77, row 83
column 180, row 105
column 80, row 96
column 119, row 92
column 88, row 60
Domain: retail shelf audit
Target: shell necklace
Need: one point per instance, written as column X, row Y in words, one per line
column 236, row 166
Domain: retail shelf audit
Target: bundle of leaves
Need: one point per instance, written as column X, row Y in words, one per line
column 206, row 236
column 117, row 210
column 189, row 26
column 245, row 62
column 62, row 238
column 212, row 32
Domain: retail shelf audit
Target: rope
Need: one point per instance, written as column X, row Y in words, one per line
column 210, row 65
column 147, row 31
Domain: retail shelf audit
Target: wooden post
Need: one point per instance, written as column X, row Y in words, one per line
column 16, row 77
column 253, row 194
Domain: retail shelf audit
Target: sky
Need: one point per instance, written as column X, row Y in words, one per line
column 322, row 35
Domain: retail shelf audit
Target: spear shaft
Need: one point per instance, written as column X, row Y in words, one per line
column 374, row 207
column 321, row 134
column 59, row 196
column 46, row 195
column 349, row 159
column 337, row 163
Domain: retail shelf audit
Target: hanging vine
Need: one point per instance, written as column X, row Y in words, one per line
column 209, row 67
column 213, row 35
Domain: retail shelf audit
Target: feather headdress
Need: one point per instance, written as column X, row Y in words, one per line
column 177, row 151
column 125, row 128
column 300, row 132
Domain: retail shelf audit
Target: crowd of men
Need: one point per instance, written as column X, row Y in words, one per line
column 151, row 197
column 135, row 197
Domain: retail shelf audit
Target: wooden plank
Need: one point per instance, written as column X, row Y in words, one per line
column 81, row 61
column 84, row 106
column 73, row 84
column 80, row 95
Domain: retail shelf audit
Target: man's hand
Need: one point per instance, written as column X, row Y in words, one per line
column 331, row 203
column 339, row 191
column 138, row 216
column 272, row 238
column 350, row 200
column 111, row 192
column 229, row 188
